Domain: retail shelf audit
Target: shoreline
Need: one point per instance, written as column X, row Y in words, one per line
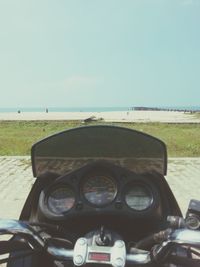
column 108, row 116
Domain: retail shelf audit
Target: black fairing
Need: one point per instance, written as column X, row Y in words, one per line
column 125, row 153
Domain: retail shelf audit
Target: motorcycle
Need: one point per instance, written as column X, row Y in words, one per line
column 100, row 198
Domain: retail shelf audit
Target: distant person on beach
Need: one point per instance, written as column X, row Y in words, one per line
column 19, row 111
column 47, row 110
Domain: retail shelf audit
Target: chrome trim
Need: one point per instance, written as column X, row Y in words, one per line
column 60, row 253
column 80, row 252
column 140, row 258
column 116, row 254
column 185, row 237
column 18, row 227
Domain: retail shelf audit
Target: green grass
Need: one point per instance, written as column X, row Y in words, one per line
column 182, row 140
column 17, row 137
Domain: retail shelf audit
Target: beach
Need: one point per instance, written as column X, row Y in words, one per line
column 109, row 116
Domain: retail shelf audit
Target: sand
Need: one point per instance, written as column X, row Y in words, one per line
column 113, row 116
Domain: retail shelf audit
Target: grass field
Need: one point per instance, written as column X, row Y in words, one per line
column 17, row 137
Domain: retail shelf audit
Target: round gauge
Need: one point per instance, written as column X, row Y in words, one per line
column 99, row 190
column 138, row 197
column 61, row 200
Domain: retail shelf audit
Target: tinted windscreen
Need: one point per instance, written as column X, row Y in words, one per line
column 72, row 149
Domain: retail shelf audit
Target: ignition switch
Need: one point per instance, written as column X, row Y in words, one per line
column 192, row 219
column 102, row 239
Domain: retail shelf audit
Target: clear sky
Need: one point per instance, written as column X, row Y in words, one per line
column 72, row 53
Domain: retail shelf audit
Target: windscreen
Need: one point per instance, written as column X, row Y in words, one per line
column 72, row 149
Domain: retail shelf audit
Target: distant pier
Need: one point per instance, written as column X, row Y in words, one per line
column 165, row 109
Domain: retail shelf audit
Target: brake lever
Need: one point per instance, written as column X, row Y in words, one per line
column 184, row 237
column 19, row 227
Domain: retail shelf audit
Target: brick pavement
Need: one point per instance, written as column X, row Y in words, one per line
column 16, row 180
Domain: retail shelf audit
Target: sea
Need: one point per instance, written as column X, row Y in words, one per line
column 91, row 109
column 63, row 109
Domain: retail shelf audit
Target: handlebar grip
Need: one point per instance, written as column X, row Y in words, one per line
column 183, row 261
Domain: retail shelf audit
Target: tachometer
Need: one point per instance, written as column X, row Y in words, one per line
column 99, row 190
column 61, row 200
column 139, row 197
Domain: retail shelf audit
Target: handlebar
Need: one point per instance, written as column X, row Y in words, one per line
column 116, row 255
column 19, row 227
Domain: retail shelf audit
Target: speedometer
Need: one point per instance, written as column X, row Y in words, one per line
column 139, row 197
column 61, row 200
column 99, row 190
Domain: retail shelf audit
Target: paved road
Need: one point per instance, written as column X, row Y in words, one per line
column 16, row 180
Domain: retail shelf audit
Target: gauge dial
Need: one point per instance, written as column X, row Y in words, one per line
column 99, row 190
column 139, row 197
column 61, row 200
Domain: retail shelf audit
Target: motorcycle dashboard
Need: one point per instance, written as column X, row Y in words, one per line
column 99, row 189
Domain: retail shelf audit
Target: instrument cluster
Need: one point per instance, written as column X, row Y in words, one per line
column 98, row 191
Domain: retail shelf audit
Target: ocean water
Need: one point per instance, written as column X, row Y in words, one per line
column 90, row 109
column 64, row 109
